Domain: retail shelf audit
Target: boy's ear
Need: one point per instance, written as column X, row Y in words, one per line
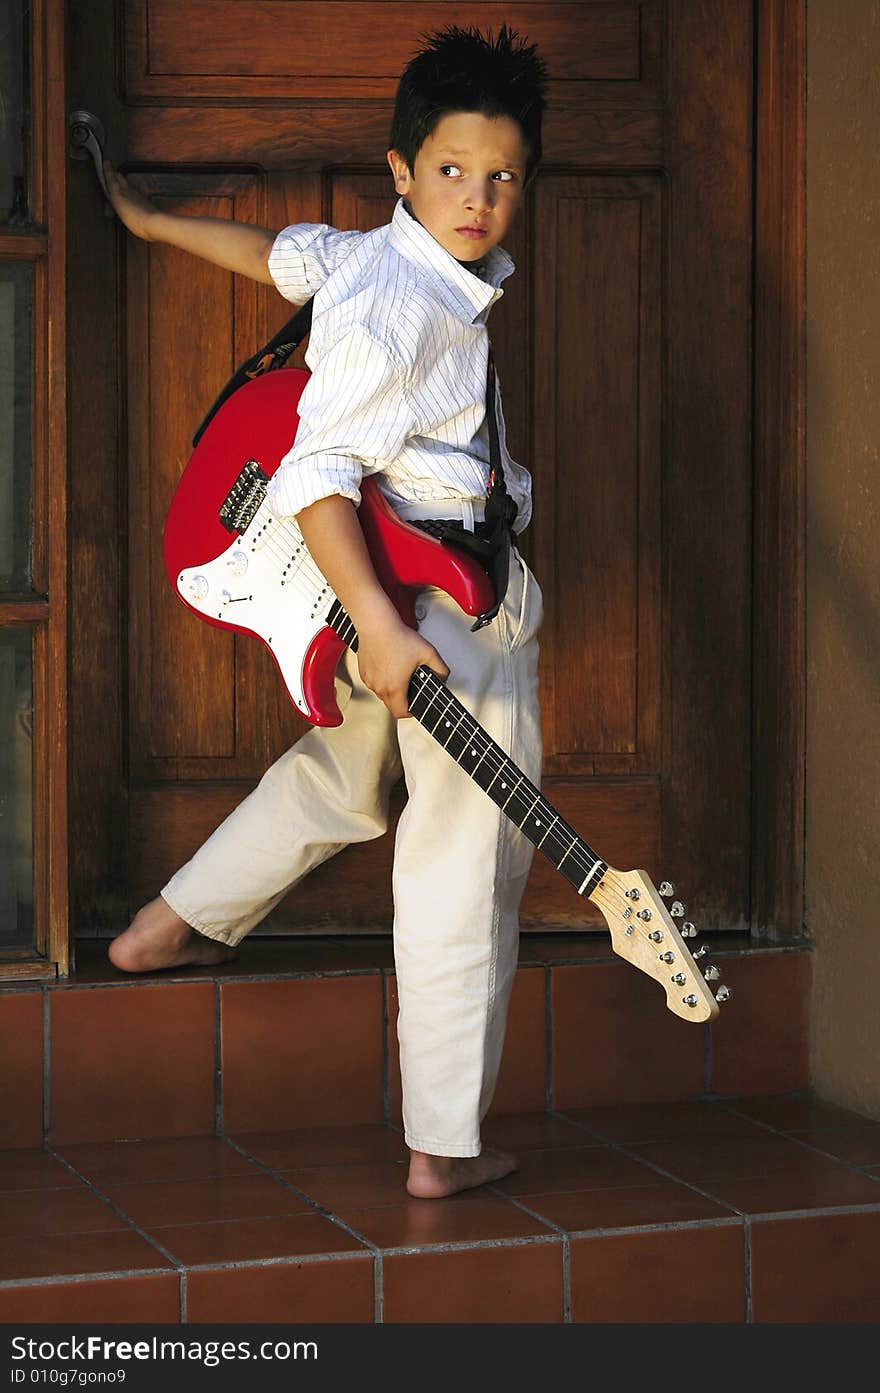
column 400, row 170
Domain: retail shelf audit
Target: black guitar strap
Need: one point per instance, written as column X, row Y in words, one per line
column 274, row 354
column 490, row 543
column 496, row 532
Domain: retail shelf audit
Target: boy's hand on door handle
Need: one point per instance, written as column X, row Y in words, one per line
column 130, row 207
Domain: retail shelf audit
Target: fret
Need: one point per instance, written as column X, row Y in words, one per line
column 540, row 844
column 339, row 622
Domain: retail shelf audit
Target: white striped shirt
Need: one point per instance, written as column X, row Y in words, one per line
column 398, row 355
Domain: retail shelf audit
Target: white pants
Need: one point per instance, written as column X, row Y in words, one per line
column 460, row 866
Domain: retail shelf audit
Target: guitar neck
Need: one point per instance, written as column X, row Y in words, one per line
column 474, row 751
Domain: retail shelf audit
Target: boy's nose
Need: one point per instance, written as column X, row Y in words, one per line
column 479, row 199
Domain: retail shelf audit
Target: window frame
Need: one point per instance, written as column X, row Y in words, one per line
column 41, row 241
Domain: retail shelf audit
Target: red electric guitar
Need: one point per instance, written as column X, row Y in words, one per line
column 238, row 566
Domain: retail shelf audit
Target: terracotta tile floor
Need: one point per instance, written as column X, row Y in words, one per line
column 605, row 1201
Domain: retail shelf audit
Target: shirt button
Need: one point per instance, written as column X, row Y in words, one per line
column 420, row 609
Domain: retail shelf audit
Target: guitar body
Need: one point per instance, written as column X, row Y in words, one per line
column 240, row 567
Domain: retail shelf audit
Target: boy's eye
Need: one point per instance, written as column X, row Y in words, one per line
column 504, row 176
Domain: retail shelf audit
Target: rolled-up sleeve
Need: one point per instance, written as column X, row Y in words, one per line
column 304, row 255
column 354, row 416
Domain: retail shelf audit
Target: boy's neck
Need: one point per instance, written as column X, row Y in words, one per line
column 476, row 267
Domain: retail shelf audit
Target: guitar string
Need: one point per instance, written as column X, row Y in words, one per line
column 280, row 545
column 489, row 753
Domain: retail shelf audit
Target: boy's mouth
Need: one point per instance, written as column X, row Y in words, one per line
column 472, row 231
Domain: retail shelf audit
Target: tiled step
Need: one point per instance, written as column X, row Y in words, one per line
column 224, row 1145
column 761, row 1209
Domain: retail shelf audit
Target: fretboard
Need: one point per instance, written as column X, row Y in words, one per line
column 474, row 751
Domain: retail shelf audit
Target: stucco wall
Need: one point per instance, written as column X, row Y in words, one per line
column 843, row 547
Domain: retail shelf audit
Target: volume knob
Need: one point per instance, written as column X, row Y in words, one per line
column 197, row 587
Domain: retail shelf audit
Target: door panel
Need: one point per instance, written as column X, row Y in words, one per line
column 623, row 348
column 203, row 703
column 597, row 460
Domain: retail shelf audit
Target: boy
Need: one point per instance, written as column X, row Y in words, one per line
column 398, row 355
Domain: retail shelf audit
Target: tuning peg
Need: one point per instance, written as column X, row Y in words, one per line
column 723, row 994
column 701, row 952
column 712, row 973
column 666, row 889
column 676, row 909
column 688, row 930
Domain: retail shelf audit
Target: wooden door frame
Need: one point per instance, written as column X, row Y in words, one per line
column 779, row 464
column 41, row 242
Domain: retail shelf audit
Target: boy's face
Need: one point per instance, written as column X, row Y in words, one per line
column 467, row 183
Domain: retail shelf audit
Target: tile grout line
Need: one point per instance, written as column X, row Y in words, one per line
column 46, row 1118
column 468, row 1244
column 378, row 1290
column 285, row 1260
column 642, row 1160
column 67, row 1278
column 319, row 1208
column 114, row 1207
column 730, row 1106
column 567, row 1317
column 184, row 1270
column 518, row 1202
column 720, row 1221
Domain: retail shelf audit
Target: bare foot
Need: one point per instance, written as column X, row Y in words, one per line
column 434, row 1177
column 157, row 937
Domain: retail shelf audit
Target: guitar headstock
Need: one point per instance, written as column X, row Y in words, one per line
column 643, row 931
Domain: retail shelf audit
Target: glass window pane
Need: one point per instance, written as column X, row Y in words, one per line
column 14, row 43
column 16, row 374
column 16, row 790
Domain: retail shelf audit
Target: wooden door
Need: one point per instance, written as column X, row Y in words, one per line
column 624, row 348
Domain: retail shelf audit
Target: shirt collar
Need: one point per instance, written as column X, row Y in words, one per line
column 467, row 295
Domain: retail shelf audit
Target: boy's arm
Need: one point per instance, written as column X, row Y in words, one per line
column 389, row 651
column 297, row 261
column 354, row 414
column 236, row 246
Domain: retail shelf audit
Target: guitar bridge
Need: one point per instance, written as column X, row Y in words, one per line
column 243, row 500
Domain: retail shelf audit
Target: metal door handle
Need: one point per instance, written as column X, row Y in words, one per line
column 87, row 141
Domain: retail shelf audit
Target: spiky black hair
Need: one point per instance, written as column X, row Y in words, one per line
column 465, row 70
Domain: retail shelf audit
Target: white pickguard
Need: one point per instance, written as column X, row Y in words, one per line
column 266, row 582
